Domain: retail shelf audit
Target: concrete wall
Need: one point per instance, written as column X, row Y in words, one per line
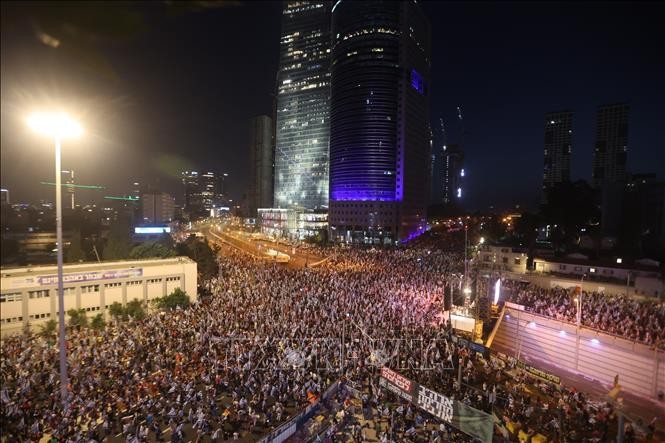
column 597, row 355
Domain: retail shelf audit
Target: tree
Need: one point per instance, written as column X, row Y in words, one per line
column 98, row 322
column 77, row 318
column 178, row 298
column 116, row 310
column 47, row 330
column 202, row 254
column 135, row 309
column 75, row 252
column 151, row 250
column 118, row 244
column 569, row 207
column 526, row 231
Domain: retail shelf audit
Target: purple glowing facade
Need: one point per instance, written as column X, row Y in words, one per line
column 379, row 120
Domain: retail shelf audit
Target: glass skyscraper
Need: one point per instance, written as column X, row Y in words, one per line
column 380, row 149
column 303, row 101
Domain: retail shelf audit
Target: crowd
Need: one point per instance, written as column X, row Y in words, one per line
column 266, row 343
column 642, row 320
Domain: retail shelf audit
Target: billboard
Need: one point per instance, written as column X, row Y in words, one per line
column 469, row 420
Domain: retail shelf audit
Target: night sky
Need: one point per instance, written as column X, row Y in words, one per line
column 179, row 94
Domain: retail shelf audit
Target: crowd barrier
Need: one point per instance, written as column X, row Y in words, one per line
column 288, row 429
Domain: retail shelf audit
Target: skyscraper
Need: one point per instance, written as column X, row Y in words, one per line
column 558, row 148
column 611, row 149
column 158, row 208
column 209, row 189
column 453, row 173
column 303, row 101
column 68, row 183
column 379, row 121
column 260, row 164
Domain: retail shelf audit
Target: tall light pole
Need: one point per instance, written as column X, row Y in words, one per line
column 58, row 126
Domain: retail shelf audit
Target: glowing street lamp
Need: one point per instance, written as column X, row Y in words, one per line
column 58, row 126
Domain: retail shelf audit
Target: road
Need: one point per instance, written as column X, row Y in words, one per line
column 299, row 259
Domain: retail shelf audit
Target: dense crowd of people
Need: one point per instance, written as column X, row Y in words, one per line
column 266, row 343
column 642, row 320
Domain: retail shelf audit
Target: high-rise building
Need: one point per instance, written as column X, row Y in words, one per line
column 611, row 149
column 210, row 189
column 68, row 183
column 303, row 102
column 202, row 192
column 260, row 164
column 193, row 202
column 453, row 173
column 158, row 208
column 379, row 121
column 558, row 148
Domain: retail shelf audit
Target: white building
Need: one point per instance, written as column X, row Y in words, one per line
column 28, row 295
column 502, row 258
column 643, row 277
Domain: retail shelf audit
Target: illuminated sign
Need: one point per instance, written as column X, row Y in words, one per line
column 152, row 230
column 417, row 81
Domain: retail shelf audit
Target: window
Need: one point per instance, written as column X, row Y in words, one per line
column 562, row 267
column 155, row 280
column 134, row 282
column 517, row 260
column 38, row 294
column 11, row 296
column 112, row 285
column 89, row 289
column 504, row 259
column 172, row 278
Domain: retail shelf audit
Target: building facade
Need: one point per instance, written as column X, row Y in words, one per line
column 379, row 136
column 611, row 149
column 158, row 208
column 558, row 149
column 29, row 295
column 261, row 162
column 303, row 104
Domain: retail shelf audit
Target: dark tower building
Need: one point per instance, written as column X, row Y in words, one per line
column 261, row 163
column 558, row 148
column 453, row 174
column 303, row 106
column 611, row 150
column 380, row 148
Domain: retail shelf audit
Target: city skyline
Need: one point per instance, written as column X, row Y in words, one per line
column 486, row 77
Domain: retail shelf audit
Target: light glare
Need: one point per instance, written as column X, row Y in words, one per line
column 55, row 124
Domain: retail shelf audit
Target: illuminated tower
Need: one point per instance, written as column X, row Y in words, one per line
column 379, row 121
column 303, row 100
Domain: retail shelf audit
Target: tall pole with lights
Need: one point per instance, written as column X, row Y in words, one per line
column 58, row 126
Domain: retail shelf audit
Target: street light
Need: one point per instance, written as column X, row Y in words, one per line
column 58, row 125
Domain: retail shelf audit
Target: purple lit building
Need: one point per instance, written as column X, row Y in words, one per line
column 379, row 121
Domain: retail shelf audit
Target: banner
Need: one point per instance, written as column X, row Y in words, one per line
column 90, row 276
column 469, row 420
column 477, row 347
column 530, row 369
column 394, row 382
